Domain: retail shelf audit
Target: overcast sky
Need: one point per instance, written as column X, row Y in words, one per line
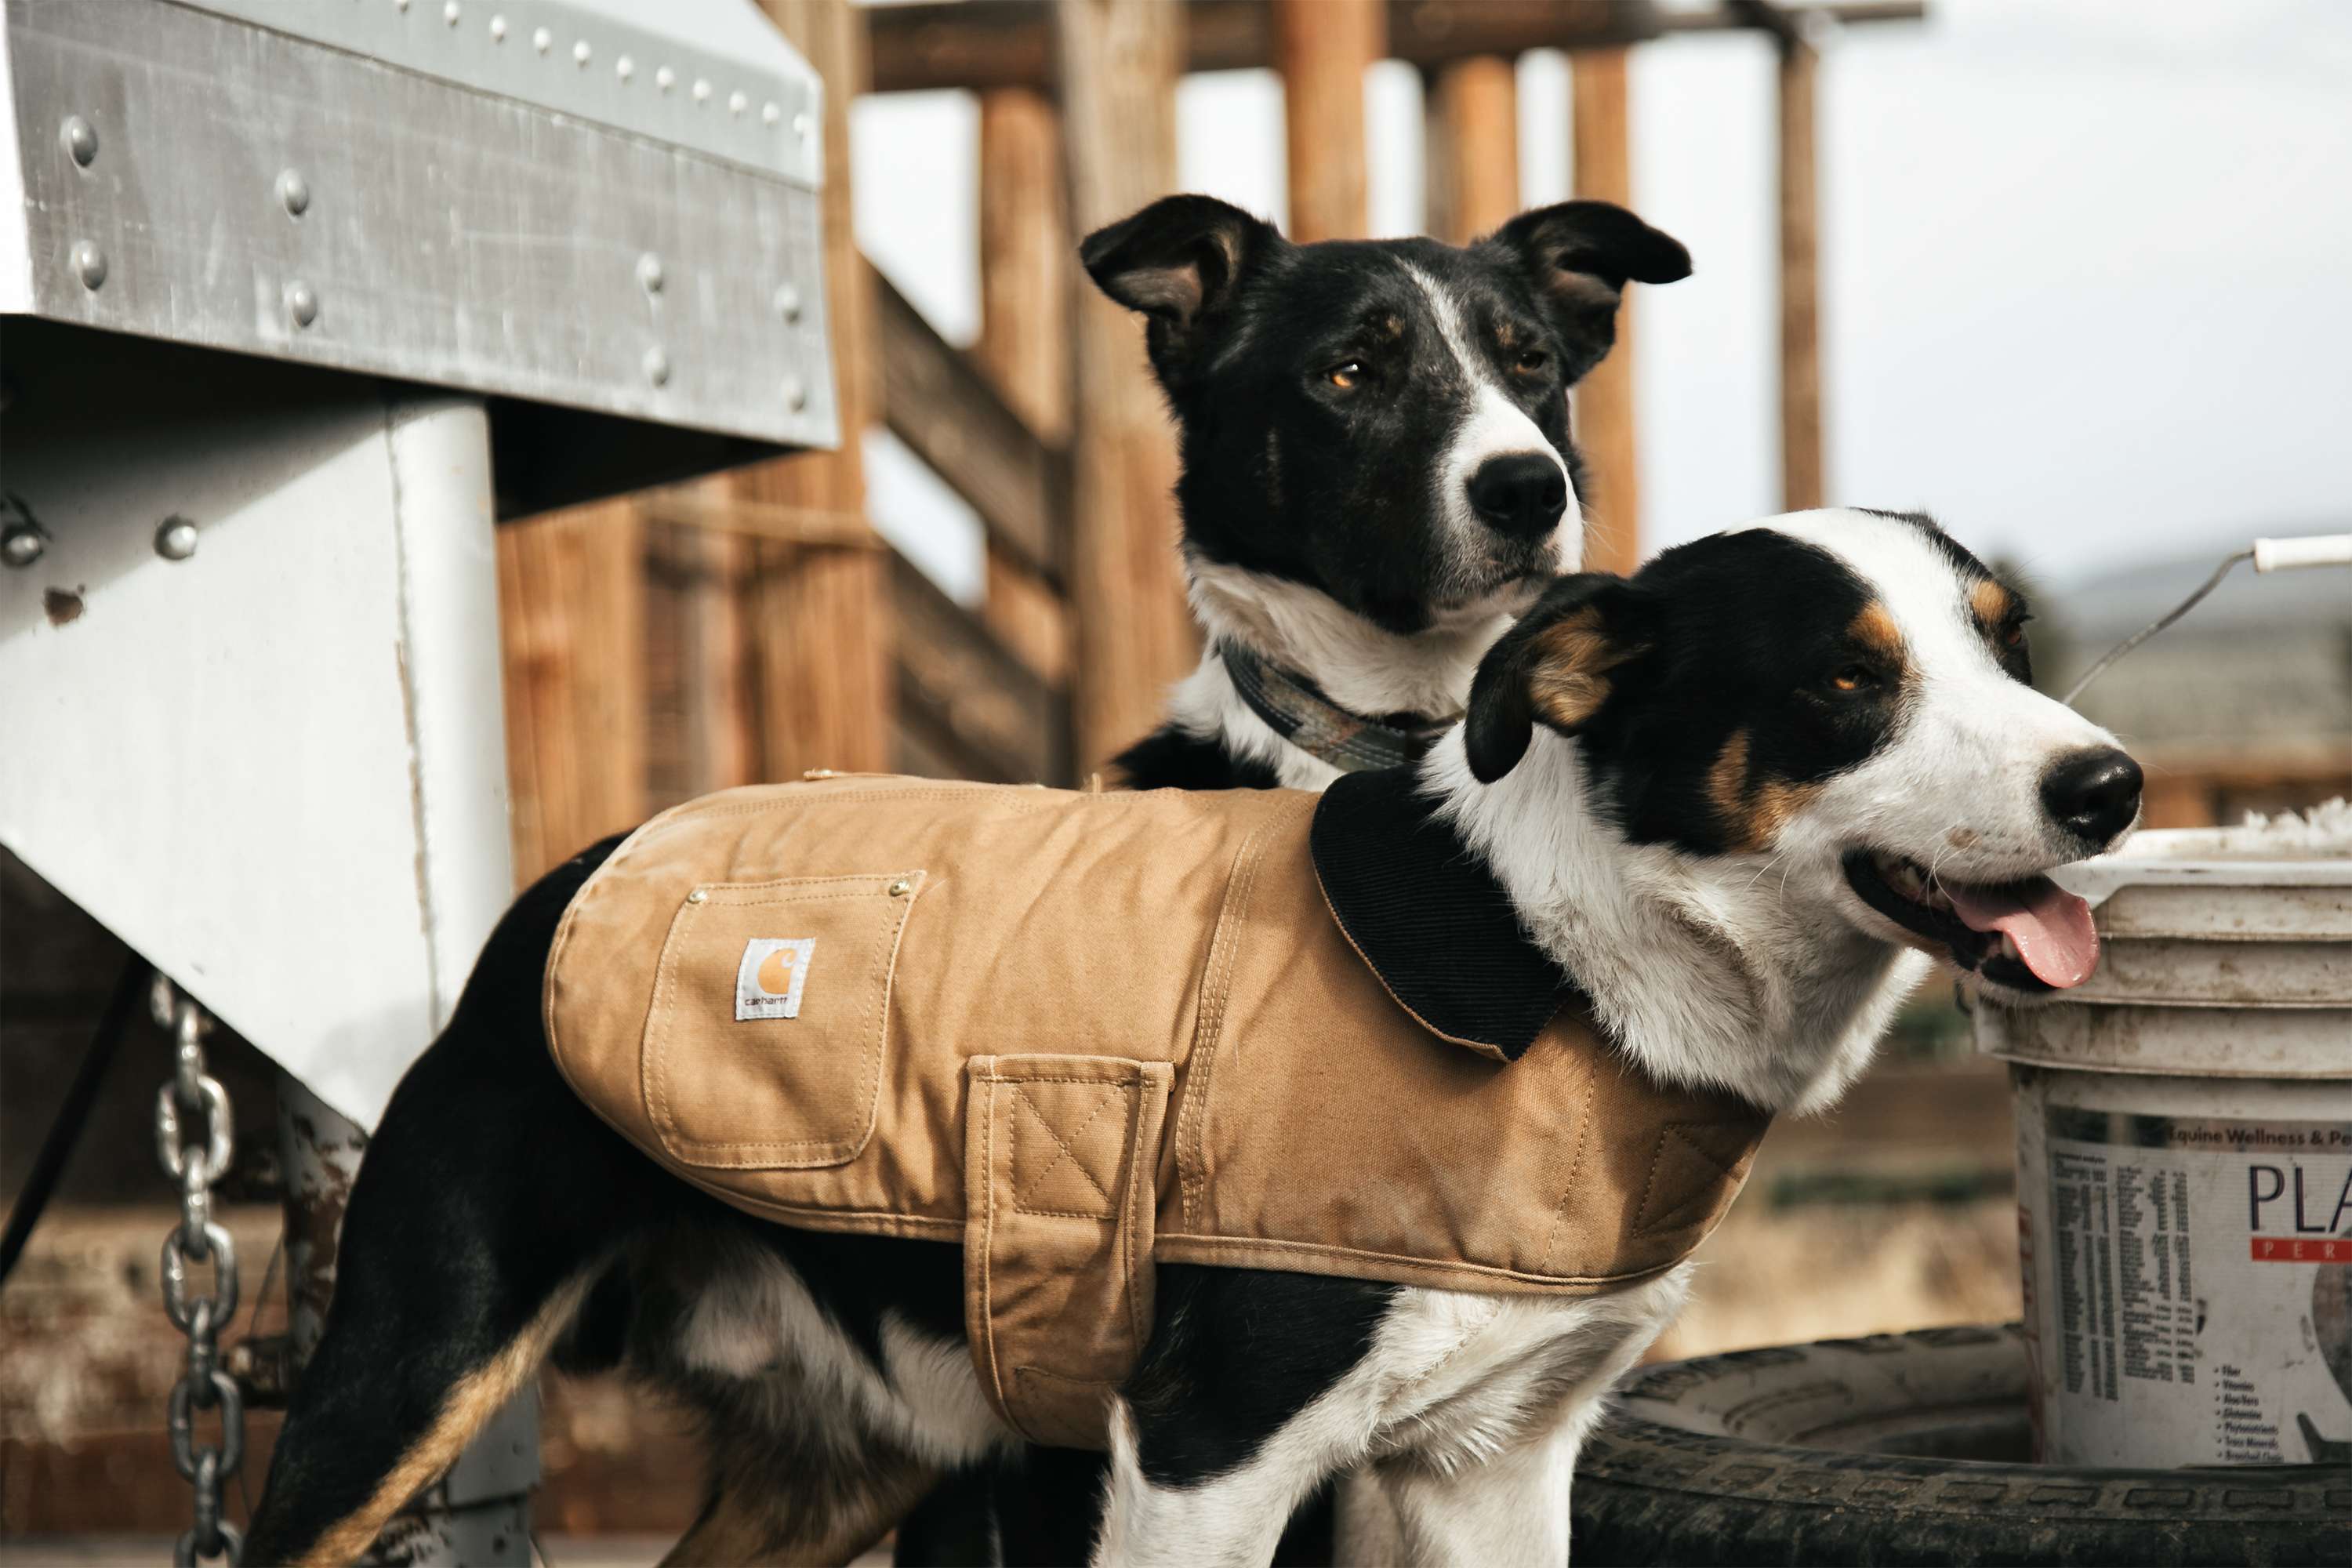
column 2086, row 266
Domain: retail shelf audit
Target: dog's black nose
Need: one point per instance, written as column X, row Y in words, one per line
column 2093, row 795
column 1521, row 494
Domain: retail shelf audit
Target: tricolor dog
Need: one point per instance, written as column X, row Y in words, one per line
column 1377, row 468
column 1705, row 826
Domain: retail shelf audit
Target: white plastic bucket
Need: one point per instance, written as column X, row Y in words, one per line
column 2184, row 1145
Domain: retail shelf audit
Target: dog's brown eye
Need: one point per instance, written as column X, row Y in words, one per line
column 1533, row 360
column 1345, row 372
column 1854, row 678
column 2013, row 635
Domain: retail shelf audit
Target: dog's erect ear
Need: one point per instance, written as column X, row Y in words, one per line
column 1580, row 256
column 1179, row 262
column 1553, row 667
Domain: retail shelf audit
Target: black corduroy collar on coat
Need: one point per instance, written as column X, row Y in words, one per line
column 1430, row 918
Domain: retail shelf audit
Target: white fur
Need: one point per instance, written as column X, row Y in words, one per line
column 756, row 1322
column 1360, row 665
column 1469, row 1409
column 1494, row 426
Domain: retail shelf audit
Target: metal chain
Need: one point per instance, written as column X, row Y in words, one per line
column 194, row 1101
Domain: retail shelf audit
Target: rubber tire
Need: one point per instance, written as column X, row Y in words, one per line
column 1812, row 1454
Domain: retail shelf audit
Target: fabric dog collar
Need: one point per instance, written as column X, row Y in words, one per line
column 1295, row 708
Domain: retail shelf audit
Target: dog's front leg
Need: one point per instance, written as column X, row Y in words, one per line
column 1181, row 1515
column 1509, row 1510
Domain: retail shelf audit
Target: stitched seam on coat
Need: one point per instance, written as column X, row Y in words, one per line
column 1575, row 1165
column 1054, row 1164
column 1225, row 1251
column 1673, row 1129
column 1209, row 1030
column 988, row 1262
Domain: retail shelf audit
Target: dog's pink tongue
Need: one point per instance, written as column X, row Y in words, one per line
column 2051, row 926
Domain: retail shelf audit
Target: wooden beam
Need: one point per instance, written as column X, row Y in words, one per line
column 1025, row 277
column 819, row 613
column 1133, row 635
column 983, row 44
column 1802, row 465
column 1603, row 422
column 1473, row 147
column 948, row 410
column 972, row 707
column 1322, row 49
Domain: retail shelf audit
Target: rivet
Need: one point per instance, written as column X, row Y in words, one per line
column 736, row 104
column 301, row 303
column 81, row 140
column 664, row 78
column 175, row 538
column 701, row 90
column 625, row 67
column 795, row 393
column 697, row 897
column 811, row 775
column 649, row 272
column 582, row 53
column 400, row 4
column 499, row 29
column 802, row 126
column 541, row 39
column 656, row 366
column 770, row 114
column 788, row 303
column 88, row 264
column 449, row 13
column 295, row 192
column 23, row 545
column 901, row 888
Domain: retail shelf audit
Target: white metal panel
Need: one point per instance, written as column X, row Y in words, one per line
column 275, row 768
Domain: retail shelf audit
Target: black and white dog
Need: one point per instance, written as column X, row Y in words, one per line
column 1736, row 801
column 1377, row 474
column 1377, row 471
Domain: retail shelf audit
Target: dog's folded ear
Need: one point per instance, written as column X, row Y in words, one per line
column 1180, row 261
column 1579, row 257
column 1554, row 668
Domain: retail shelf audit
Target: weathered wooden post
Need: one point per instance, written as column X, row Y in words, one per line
column 1604, row 402
column 572, row 624
column 1322, row 49
column 1802, row 463
column 1025, row 277
column 1119, row 66
column 819, row 613
column 1471, row 161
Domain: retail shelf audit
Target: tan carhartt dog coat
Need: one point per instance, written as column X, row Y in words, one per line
column 1082, row 1033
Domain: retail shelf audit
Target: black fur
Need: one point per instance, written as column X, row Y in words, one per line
column 1171, row 758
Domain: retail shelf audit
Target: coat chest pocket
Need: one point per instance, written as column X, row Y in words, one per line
column 771, row 1012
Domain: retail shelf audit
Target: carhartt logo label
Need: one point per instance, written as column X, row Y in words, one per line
column 769, row 981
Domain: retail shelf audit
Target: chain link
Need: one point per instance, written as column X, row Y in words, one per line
column 195, row 1100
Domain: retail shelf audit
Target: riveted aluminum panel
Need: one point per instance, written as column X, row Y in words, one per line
column 257, row 192
column 708, row 75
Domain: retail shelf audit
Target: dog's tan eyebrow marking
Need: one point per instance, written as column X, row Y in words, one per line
column 1874, row 629
column 1991, row 603
column 1753, row 811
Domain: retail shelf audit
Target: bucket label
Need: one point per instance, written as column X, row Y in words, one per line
column 2200, row 1288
